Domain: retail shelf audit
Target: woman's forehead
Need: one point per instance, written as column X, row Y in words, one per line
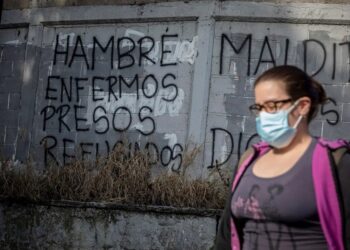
column 269, row 90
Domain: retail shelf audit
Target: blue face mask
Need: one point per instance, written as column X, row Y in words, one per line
column 274, row 128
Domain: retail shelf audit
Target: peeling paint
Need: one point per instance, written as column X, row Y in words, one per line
column 172, row 138
column 13, row 42
column 182, row 51
column 63, row 38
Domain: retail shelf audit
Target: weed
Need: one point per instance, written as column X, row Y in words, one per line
column 118, row 178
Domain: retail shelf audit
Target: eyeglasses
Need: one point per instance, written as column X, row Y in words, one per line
column 269, row 107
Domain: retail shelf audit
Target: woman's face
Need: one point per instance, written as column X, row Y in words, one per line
column 272, row 91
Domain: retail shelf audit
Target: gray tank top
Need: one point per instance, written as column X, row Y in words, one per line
column 279, row 212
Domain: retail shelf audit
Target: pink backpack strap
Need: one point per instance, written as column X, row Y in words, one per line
column 334, row 144
column 326, row 194
column 261, row 146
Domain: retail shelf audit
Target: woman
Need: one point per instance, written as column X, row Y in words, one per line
column 290, row 191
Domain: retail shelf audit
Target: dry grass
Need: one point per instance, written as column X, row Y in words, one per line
column 119, row 178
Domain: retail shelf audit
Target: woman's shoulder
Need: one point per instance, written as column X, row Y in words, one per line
column 339, row 148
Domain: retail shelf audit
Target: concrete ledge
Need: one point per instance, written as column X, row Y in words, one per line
column 282, row 20
column 25, row 4
column 119, row 21
column 243, row 11
column 127, row 207
column 21, row 4
column 70, row 224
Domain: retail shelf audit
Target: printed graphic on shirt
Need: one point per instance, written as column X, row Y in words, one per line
column 253, row 207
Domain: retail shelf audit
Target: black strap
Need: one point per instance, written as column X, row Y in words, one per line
column 338, row 153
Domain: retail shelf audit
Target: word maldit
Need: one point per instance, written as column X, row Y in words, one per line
column 327, row 53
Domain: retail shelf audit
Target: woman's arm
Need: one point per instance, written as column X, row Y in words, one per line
column 223, row 235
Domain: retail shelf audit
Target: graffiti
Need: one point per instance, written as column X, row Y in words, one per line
column 237, row 51
column 265, row 49
column 129, row 52
column 242, row 47
column 214, row 133
column 167, row 156
column 239, row 148
column 182, row 51
column 111, row 92
column 306, row 42
column 332, row 112
column 115, row 103
column 128, row 99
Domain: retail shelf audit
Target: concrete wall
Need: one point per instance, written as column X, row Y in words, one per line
column 13, row 47
column 99, row 226
column 21, row 4
column 76, row 80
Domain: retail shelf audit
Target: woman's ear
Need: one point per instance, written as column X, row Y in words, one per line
column 304, row 106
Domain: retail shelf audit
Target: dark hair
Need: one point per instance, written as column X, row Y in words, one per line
column 297, row 84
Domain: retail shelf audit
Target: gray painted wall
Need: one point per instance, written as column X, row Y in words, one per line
column 193, row 87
